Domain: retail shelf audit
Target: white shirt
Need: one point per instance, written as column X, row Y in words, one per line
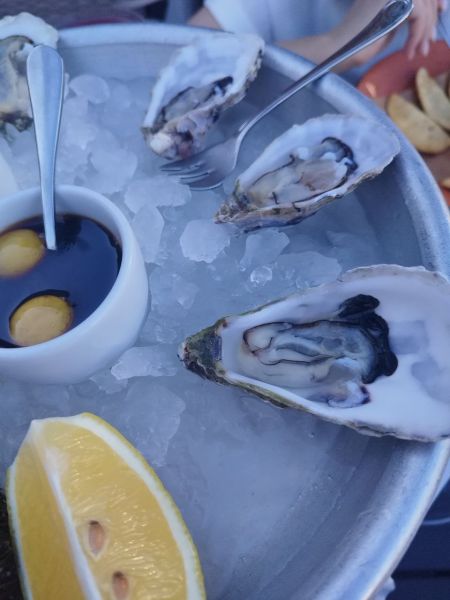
column 276, row 20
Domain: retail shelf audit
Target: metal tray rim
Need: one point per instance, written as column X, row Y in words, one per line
column 383, row 546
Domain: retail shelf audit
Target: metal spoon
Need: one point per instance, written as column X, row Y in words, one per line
column 45, row 74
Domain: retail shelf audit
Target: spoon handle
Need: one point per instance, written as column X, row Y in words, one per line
column 45, row 74
column 387, row 19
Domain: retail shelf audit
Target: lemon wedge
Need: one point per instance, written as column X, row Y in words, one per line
column 91, row 520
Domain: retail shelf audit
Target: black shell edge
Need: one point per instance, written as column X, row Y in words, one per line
column 201, row 353
column 284, row 215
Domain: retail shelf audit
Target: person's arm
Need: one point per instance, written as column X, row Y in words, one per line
column 204, row 18
column 319, row 47
column 423, row 25
column 422, row 30
column 316, row 47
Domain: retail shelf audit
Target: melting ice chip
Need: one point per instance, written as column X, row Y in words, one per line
column 170, row 292
column 148, row 226
column 140, row 361
column 202, row 240
column 156, row 191
column 93, row 88
column 263, row 248
column 261, row 275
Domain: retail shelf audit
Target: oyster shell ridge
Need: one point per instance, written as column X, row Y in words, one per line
column 238, row 208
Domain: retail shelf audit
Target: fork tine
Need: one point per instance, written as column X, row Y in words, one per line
column 213, row 180
column 198, row 175
column 181, row 165
column 181, row 162
column 184, row 163
column 201, row 168
column 187, row 172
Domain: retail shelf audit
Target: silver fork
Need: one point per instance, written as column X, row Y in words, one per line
column 208, row 168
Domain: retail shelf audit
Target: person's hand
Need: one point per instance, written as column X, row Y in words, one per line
column 422, row 25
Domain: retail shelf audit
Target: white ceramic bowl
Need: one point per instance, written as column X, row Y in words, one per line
column 112, row 327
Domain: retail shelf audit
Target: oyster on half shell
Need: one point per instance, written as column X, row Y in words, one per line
column 18, row 35
column 307, row 167
column 200, row 82
column 369, row 351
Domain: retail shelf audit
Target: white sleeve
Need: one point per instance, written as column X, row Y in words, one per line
column 242, row 16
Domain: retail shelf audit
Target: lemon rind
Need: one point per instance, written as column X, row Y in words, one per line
column 132, row 457
column 15, row 528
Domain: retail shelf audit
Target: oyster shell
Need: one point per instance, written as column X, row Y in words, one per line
column 369, row 351
column 307, row 167
column 200, row 82
column 18, row 35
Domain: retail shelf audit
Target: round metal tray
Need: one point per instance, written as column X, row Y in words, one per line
column 362, row 498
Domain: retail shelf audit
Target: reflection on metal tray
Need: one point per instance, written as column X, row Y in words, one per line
column 362, row 499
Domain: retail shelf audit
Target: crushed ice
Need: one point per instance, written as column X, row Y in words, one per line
column 236, row 466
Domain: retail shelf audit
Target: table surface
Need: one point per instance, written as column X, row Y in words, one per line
column 424, row 573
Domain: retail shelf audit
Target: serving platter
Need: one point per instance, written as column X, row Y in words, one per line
column 355, row 502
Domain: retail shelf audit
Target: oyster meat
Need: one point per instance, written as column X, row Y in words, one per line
column 369, row 351
column 18, row 35
column 200, row 82
column 307, row 167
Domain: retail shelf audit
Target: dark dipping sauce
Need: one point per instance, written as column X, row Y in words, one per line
column 82, row 270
